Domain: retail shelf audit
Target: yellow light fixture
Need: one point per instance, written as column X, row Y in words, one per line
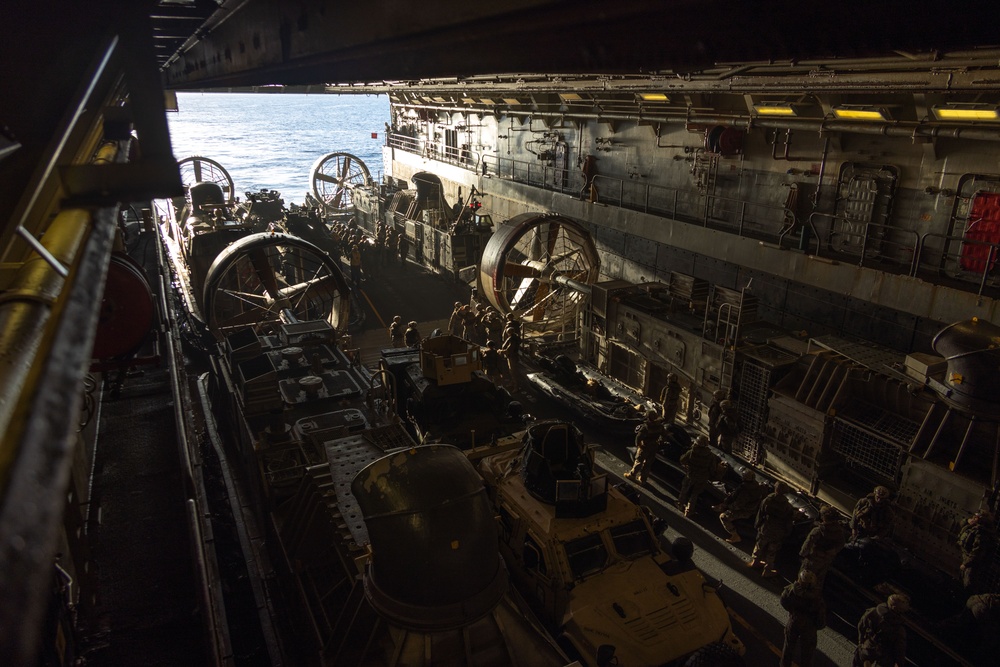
column 653, row 97
column 570, row 97
column 512, row 101
column 468, row 100
column 967, row 112
column 487, row 100
column 439, row 100
column 859, row 113
column 774, row 109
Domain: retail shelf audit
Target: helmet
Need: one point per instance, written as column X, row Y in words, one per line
column 651, row 415
column 881, row 492
column 510, row 317
column 397, row 318
column 458, row 304
column 899, row 602
column 491, row 343
column 829, row 513
column 411, row 324
column 671, row 378
column 748, row 474
column 726, row 404
column 807, row 578
column 719, row 394
column 701, row 441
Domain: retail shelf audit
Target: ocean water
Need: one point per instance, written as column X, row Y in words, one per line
column 272, row 141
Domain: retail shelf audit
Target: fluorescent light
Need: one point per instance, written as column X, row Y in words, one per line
column 569, row 97
column 468, row 100
column 967, row 112
column 486, row 100
column 859, row 113
column 774, row 109
column 512, row 101
column 653, row 97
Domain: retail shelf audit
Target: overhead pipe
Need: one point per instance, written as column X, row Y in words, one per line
column 910, row 129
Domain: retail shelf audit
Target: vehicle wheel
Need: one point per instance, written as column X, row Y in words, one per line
column 715, row 655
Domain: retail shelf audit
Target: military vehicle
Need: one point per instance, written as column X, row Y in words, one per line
column 589, row 562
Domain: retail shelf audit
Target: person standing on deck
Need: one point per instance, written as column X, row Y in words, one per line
column 511, row 351
column 806, row 616
column 404, row 248
column 411, row 337
column 774, row 523
column 742, row 503
column 727, row 426
column 647, row 442
column 455, row 321
column 670, row 399
column 699, row 464
column 355, row 265
column 882, row 635
column 396, row 331
column 823, row 544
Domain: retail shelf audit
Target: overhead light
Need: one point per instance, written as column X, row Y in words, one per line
column 774, row 109
column 486, row 100
column 512, row 101
column 848, row 112
column 570, row 97
column 439, row 100
column 653, row 97
column 468, row 100
column 967, row 112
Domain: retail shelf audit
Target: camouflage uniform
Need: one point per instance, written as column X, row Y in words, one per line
column 727, row 426
column 978, row 542
column 873, row 515
column 806, row 616
column 670, row 399
column 823, row 544
column 881, row 636
column 647, row 442
column 774, row 522
column 396, row 332
column 700, row 463
column 742, row 503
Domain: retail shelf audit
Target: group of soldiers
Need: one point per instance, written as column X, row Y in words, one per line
column 386, row 248
column 881, row 629
column 482, row 325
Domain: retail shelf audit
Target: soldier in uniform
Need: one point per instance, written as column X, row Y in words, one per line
column 647, row 441
column 491, row 361
column 396, row 331
column 774, row 523
column 728, row 426
column 355, row 264
column 700, row 465
column 978, row 542
column 404, row 248
column 455, row 321
column 806, row 616
column 823, row 544
column 873, row 516
column 714, row 411
column 411, row 336
column 511, row 351
column 670, row 398
column 742, row 503
column 881, row 635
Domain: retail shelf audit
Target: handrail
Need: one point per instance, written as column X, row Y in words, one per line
column 989, row 263
column 686, row 205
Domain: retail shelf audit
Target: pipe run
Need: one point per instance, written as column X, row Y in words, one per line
column 903, row 129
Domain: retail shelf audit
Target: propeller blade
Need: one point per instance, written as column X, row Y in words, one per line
column 512, row 270
column 265, row 272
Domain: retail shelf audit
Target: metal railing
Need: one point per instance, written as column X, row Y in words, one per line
column 931, row 256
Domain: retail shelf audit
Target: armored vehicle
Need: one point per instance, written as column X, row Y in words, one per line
column 588, row 560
